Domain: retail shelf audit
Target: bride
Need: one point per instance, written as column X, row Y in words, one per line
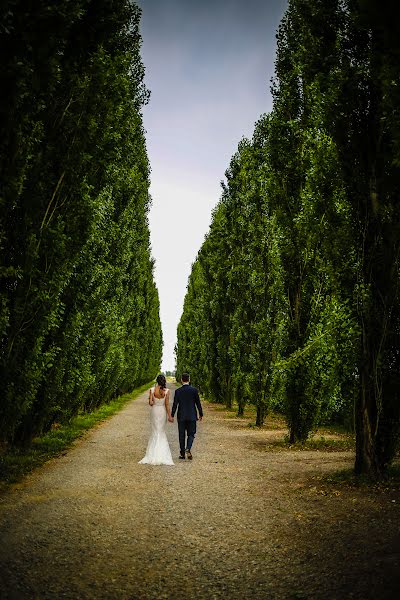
column 158, row 451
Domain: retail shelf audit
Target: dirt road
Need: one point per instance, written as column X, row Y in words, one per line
column 236, row 522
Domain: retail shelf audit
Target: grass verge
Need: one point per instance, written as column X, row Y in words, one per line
column 323, row 444
column 17, row 462
column 390, row 481
column 327, row 438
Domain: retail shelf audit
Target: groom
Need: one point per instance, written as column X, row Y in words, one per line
column 186, row 400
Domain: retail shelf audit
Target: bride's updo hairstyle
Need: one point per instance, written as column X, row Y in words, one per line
column 162, row 382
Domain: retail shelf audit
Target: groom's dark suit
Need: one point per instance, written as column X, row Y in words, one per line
column 186, row 400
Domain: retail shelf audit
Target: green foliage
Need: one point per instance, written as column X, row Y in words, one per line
column 79, row 308
column 293, row 301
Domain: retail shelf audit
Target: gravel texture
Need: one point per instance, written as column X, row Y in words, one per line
column 236, row 522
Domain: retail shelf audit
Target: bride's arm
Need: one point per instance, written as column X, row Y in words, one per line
column 151, row 402
column 167, row 408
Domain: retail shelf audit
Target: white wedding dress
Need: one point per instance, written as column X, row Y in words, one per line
column 158, row 451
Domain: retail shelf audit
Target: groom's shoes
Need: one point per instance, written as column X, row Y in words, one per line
column 189, row 454
column 182, row 456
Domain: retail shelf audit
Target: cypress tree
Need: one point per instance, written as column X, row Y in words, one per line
column 79, row 308
column 306, row 274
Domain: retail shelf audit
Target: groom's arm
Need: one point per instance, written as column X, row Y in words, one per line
column 198, row 403
column 175, row 404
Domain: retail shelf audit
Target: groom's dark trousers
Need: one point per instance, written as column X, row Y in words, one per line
column 189, row 428
column 186, row 401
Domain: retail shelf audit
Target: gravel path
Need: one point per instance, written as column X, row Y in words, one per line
column 236, row 522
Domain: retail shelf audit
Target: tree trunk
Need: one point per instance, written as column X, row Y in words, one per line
column 239, row 400
column 228, row 393
column 260, row 413
column 366, row 461
column 365, row 416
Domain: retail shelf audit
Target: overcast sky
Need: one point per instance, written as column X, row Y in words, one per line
column 208, row 68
